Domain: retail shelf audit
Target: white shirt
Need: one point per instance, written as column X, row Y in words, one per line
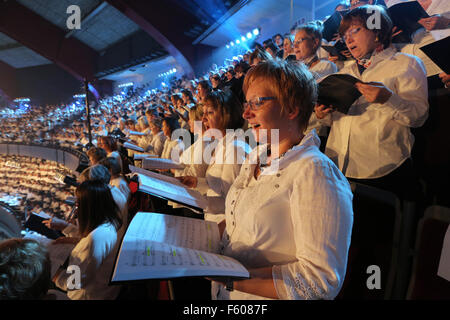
column 172, row 145
column 221, row 174
column 323, row 68
column 157, row 143
column 192, row 158
column 95, row 256
column 121, row 184
column 297, row 219
column 121, row 202
column 374, row 139
column 320, row 70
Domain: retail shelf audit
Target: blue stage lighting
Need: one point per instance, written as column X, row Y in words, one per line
column 243, row 38
column 237, row 41
column 249, row 35
column 255, row 32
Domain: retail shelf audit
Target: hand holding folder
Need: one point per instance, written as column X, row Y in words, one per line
column 406, row 16
column 339, row 91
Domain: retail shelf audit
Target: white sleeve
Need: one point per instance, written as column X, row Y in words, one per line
column 409, row 101
column 322, row 218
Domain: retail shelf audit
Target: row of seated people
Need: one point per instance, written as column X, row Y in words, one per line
column 35, row 184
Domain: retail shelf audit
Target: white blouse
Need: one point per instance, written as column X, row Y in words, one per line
column 297, row 218
column 221, row 173
column 319, row 71
column 176, row 146
column 374, row 139
column 95, row 256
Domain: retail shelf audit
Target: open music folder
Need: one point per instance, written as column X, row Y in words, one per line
column 169, row 188
column 161, row 163
column 134, row 147
column 405, row 16
column 338, row 90
column 439, row 52
column 160, row 246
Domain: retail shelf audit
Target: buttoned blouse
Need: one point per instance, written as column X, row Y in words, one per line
column 296, row 217
column 169, row 146
column 374, row 139
column 223, row 168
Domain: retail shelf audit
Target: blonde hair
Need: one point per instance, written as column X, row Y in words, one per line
column 292, row 84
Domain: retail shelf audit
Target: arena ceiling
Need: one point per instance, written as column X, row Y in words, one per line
column 35, row 32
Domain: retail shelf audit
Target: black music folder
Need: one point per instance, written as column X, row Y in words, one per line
column 338, row 90
column 34, row 223
column 336, row 49
column 405, row 17
column 439, row 52
column 331, row 25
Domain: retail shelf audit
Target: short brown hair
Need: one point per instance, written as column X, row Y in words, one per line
column 229, row 107
column 96, row 154
column 292, row 84
column 363, row 14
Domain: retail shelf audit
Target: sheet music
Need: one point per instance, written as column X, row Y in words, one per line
column 156, row 175
column 160, row 163
column 132, row 147
column 162, row 246
column 140, row 156
column 136, row 133
column 178, row 231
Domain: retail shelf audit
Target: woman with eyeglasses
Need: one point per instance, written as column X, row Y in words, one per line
column 95, row 249
column 308, row 39
column 289, row 212
column 372, row 143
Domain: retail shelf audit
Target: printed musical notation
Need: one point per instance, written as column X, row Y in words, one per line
column 163, row 246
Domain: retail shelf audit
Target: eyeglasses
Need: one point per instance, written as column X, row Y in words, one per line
column 299, row 41
column 256, row 103
column 351, row 32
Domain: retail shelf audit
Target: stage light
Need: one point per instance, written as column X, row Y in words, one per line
column 243, row 38
column 255, row 32
column 174, row 69
column 249, row 35
column 232, row 43
column 237, row 41
column 228, row 47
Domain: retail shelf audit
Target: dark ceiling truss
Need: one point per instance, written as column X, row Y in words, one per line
column 46, row 39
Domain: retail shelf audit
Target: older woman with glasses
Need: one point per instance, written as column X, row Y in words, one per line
column 372, row 143
column 308, row 39
column 289, row 212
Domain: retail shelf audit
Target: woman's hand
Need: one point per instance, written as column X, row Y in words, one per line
column 435, row 22
column 347, row 54
column 56, row 224
column 322, row 111
column 66, row 240
column 395, row 32
column 445, row 79
column 188, row 181
column 333, row 58
column 374, row 92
